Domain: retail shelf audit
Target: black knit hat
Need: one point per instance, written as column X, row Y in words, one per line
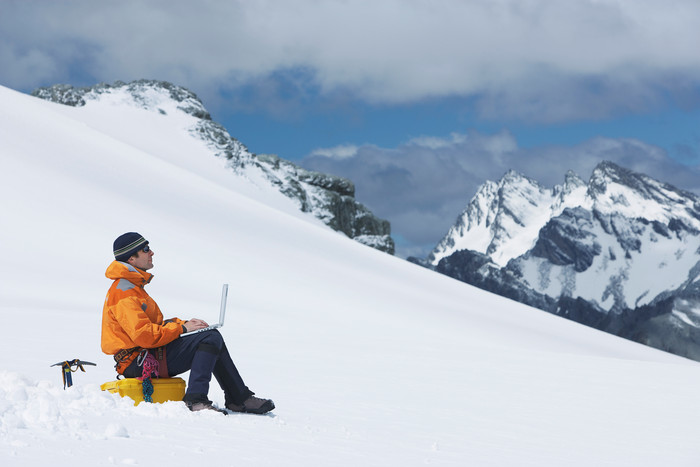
column 128, row 244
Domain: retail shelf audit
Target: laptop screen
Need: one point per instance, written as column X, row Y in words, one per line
column 222, row 311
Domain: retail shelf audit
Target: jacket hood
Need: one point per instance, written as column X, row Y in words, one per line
column 120, row 270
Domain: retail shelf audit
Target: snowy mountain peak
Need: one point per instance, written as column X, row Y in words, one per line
column 161, row 97
column 607, row 175
column 511, row 176
column 503, row 219
column 572, row 181
column 616, row 190
column 148, row 94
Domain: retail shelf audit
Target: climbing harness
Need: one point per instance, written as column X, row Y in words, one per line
column 122, row 358
column 67, row 369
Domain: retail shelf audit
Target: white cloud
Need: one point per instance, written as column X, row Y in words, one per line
column 433, row 142
column 550, row 59
column 343, row 151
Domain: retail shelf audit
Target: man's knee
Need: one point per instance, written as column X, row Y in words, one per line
column 212, row 341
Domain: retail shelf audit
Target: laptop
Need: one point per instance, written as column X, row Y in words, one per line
column 222, row 315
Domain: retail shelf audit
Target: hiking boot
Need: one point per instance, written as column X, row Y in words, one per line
column 197, row 406
column 253, row 404
column 202, row 403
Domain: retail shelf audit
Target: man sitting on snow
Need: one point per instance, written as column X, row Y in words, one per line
column 134, row 332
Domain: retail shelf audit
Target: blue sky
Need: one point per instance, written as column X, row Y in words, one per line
column 670, row 127
column 418, row 102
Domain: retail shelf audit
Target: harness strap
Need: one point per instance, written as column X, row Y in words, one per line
column 123, row 358
column 162, row 362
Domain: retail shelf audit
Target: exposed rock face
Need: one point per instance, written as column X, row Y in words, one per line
column 620, row 253
column 327, row 197
column 568, row 240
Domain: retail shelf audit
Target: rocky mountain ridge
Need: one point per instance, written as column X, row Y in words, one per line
column 620, row 253
column 329, row 198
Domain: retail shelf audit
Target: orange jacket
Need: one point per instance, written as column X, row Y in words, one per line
column 130, row 317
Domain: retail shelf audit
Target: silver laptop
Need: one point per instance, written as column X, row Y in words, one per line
column 222, row 315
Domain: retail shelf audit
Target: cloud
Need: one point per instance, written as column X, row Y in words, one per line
column 423, row 185
column 344, row 151
column 525, row 59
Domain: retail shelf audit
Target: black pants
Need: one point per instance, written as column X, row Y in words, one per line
column 204, row 354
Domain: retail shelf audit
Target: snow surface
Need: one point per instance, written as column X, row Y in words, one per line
column 371, row 360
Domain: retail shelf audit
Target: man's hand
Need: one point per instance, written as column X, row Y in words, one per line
column 194, row 324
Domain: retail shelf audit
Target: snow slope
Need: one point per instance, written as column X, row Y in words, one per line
column 371, row 360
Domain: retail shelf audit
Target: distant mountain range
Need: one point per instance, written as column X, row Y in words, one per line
column 620, row 253
column 329, row 198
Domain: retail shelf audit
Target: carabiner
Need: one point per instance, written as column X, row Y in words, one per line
column 142, row 357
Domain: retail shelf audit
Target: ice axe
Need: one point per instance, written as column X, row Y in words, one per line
column 67, row 369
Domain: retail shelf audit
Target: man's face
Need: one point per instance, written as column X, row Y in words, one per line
column 142, row 260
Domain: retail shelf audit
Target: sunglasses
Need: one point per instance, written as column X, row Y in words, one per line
column 146, row 249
